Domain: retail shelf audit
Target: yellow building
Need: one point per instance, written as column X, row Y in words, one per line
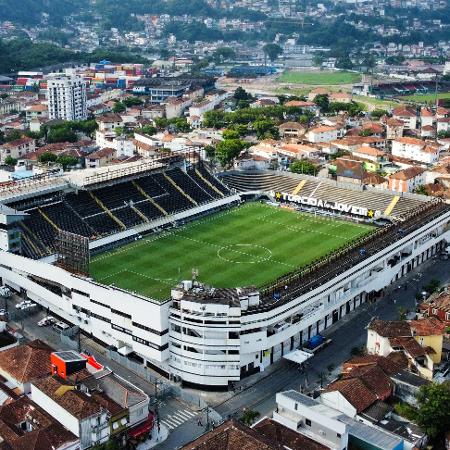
column 429, row 332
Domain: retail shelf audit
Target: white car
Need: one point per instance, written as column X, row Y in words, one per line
column 25, row 304
column 49, row 320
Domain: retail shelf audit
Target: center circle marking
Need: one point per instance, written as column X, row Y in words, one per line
column 244, row 253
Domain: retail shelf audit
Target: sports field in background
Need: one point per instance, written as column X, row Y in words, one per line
column 248, row 245
column 319, row 78
column 429, row 99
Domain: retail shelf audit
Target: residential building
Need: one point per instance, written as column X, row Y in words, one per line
column 75, row 410
column 322, row 134
column 101, row 158
column 330, row 426
column 292, row 130
column 24, row 425
column 407, row 180
column 438, row 305
column 415, row 149
column 17, row 149
column 407, row 115
column 67, row 98
column 394, row 128
column 340, row 97
column 412, row 338
column 25, row 364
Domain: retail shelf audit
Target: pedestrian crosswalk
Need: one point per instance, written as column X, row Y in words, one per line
column 173, row 421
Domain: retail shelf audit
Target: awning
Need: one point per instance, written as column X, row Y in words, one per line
column 142, row 428
column 298, row 356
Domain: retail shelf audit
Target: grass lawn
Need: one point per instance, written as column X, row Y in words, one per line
column 249, row 245
column 425, row 98
column 376, row 103
column 319, row 78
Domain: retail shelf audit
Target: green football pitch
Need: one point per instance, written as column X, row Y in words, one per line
column 248, row 245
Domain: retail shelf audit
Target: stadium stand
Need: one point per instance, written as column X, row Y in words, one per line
column 105, row 210
column 325, row 190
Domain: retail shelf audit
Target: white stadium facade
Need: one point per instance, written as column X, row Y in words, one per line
column 205, row 336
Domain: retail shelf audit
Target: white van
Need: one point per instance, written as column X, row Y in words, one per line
column 61, row 326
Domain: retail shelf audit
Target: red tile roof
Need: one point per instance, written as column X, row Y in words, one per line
column 27, row 362
column 390, row 328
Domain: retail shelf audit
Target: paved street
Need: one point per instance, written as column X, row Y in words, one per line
column 258, row 392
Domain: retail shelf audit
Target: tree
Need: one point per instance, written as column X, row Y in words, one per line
column 249, row 417
column 376, row 114
column 241, row 94
column 10, row 161
column 421, row 189
column 272, row 51
column 433, row 413
column 265, row 128
column 323, row 102
column 47, row 157
column 304, row 167
column 132, row 101
column 67, row 161
column 228, row 149
column 13, row 136
column 224, row 54
column 149, row 130
column 61, row 134
column 119, row 107
column 230, row 134
column 210, row 151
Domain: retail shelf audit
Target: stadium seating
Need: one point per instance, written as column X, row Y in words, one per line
column 64, row 218
column 325, row 190
column 113, row 208
column 188, row 185
column 213, row 180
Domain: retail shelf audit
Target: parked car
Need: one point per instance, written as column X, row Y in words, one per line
column 48, row 320
column 24, row 304
column 60, row 326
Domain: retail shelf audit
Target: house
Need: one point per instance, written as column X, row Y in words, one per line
column 176, row 106
column 299, row 151
column 349, row 171
column 75, row 410
column 394, row 128
column 419, row 340
column 109, row 122
column 37, row 111
column 24, row 425
column 426, row 117
column 322, row 134
column 407, row 115
column 25, row 364
column 329, row 426
column 292, row 130
column 308, row 106
column 17, row 149
column 438, row 305
column 443, row 125
column 101, row 158
column 427, row 131
column 265, row 435
column 370, row 153
column 416, row 149
column 317, row 91
column 407, row 180
column 340, row 97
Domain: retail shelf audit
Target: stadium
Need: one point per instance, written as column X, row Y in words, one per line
column 205, row 277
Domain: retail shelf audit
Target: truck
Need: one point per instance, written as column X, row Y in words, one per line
column 316, row 343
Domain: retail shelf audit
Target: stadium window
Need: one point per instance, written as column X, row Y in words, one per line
column 122, row 330
column 233, row 335
column 307, row 422
column 76, row 291
column 99, row 303
column 151, row 330
column 120, row 313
